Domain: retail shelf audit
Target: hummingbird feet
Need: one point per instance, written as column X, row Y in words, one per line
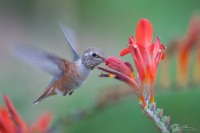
column 69, row 93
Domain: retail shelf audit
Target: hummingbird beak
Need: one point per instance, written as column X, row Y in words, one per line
column 103, row 58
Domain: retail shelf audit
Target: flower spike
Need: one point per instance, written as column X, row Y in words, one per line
column 146, row 57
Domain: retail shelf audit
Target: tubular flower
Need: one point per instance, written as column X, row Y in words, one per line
column 157, row 56
column 123, row 67
column 146, row 57
column 124, row 71
column 185, row 47
column 11, row 121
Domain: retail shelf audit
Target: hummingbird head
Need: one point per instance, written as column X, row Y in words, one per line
column 92, row 57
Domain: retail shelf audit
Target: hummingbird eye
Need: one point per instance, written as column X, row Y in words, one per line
column 94, row 54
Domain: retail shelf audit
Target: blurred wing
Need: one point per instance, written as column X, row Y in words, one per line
column 46, row 61
column 71, row 40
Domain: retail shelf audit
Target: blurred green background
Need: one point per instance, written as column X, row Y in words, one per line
column 106, row 24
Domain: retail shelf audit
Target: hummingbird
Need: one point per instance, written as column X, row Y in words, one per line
column 67, row 75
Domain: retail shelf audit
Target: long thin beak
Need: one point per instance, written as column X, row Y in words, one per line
column 103, row 58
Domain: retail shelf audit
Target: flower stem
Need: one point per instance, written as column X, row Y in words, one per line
column 156, row 116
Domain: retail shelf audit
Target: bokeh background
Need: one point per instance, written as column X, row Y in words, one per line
column 106, row 24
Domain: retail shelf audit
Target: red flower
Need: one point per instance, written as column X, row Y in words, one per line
column 125, row 71
column 185, row 46
column 157, row 55
column 146, row 57
column 138, row 59
column 144, row 34
column 123, row 67
column 42, row 124
column 146, row 67
column 6, row 124
column 11, row 121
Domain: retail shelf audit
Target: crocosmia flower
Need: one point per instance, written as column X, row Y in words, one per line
column 12, row 122
column 186, row 44
column 146, row 56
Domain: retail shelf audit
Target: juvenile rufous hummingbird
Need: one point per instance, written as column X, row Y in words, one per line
column 67, row 75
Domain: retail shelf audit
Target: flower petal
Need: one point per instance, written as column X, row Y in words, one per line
column 15, row 115
column 129, row 66
column 192, row 33
column 138, row 60
column 42, row 124
column 162, row 56
column 162, row 47
column 157, row 55
column 125, row 51
column 157, row 52
column 6, row 124
column 186, row 45
column 116, row 64
column 144, row 32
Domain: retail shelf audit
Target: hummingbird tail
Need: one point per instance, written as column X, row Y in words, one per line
column 45, row 94
column 39, row 100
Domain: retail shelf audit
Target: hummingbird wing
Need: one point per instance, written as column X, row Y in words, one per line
column 71, row 40
column 47, row 61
